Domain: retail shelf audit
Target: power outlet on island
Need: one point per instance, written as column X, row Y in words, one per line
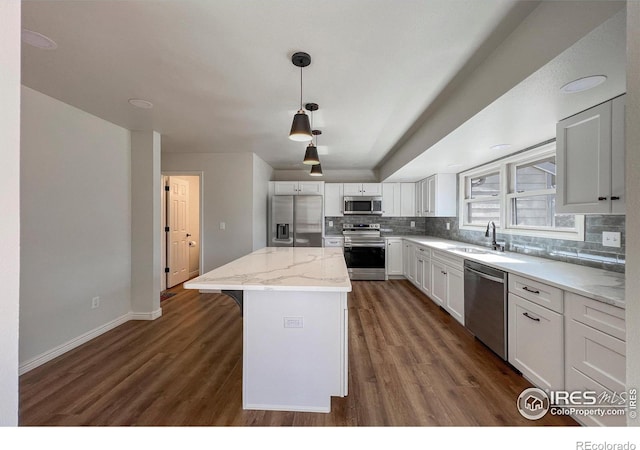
column 293, row 322
column 610, row 239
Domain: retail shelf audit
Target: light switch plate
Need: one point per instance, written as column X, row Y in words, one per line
column 223, row 226
column 610, row 239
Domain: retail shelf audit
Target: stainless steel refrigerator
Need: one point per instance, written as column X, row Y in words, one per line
column 296, row 221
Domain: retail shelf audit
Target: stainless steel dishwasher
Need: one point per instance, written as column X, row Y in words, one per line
column 485, row 305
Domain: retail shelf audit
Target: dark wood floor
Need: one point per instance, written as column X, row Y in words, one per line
column 410, row 363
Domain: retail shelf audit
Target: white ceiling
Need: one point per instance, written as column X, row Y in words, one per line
column 221, row 80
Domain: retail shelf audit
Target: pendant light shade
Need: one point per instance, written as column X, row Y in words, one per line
column 311, row 155
column 316, row 171
column 300, row 127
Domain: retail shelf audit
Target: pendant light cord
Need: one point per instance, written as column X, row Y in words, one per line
column 300, row 88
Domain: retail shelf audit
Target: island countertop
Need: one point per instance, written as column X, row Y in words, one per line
column 280, row 269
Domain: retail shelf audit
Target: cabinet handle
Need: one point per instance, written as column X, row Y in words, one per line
column 615, row 198
column 529, row 317
column 531, row 290
column 602, row 198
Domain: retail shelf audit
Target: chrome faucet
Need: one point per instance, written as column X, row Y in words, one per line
column 494, row 245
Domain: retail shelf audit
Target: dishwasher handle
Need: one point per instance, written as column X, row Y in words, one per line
column 484, row 275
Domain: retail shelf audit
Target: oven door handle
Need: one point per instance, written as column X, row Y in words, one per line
column 361, row 245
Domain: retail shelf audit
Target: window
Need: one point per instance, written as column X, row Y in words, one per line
column 518, row 193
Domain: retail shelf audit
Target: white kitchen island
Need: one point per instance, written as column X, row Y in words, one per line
column 295, row 325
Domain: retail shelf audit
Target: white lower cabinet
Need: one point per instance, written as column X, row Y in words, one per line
column 596, row 352
column 409, row 261
column 536, row 343
column 423, row 269
column 394, row 256
column 447, row 281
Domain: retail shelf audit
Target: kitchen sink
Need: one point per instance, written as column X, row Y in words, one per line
column 471, row 250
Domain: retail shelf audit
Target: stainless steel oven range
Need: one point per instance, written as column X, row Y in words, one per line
column 364, row 251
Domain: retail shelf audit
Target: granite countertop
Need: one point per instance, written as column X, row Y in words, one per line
column 280, row 269
column 598, row 284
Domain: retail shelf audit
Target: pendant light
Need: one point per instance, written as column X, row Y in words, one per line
column 311, row 155
column 316, row 169
column 300, row 128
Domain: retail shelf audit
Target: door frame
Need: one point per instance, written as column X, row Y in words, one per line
column 163, row 219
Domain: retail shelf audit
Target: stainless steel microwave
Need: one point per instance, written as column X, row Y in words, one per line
column 362, row 205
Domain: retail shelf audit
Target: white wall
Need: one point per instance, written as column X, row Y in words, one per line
column 76, row 223
column 10, row 201
column 226, row 196
column 262, row 173
column 145, row 224
column 633, row 200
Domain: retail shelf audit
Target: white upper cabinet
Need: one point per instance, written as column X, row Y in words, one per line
column 299, row 188
column 436, row 196
column 399, row 199
column 590, row 160
column 391, row 199
column 359, row 189
column 333, row 193
column 407, row 199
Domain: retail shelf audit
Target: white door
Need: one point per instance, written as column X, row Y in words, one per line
column 178, row 220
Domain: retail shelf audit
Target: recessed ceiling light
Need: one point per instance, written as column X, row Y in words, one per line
column 500, row 146
column 139, row 103
column 38, row 40
column 582, row 84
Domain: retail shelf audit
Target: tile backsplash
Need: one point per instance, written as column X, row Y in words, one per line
column 399, row 226
column 589, row 252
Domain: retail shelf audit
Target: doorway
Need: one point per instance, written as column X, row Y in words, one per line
column 181, row 227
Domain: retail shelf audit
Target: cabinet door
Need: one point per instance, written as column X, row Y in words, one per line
column 438, row 282
column 419, row 270
column 430, row 193
column 333, row 199
column 455, row 294
column 618, row 155
column 311, row 188
column 394, row 256
column 583, row 157
column 426, row 275
column 371, row 188
column 424, row 207
column 407, row 199
column 352, row 189
column 405, row 259
column 391, row 199
column 412, row 264
column 418, row 189
column 286, row 188
column 536, row 343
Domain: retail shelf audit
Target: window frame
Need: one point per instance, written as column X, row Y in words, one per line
column 507, row 168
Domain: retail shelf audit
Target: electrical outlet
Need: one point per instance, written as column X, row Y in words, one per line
column 293, row 322
column 448, row 225
column 610, row 239
column 95, row 302
column 223, row 226
column 413, row 224
column 331, row 223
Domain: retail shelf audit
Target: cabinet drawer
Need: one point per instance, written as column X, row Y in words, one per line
column 424, row 252
column 539, row 293
column 596, row 354
column 577, row 381
column 447, row 258
column 606, row 318
column 536, row 343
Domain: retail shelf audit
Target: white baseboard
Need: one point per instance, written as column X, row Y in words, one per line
column 146, row 316
column 84, row 338
column 70, row 345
